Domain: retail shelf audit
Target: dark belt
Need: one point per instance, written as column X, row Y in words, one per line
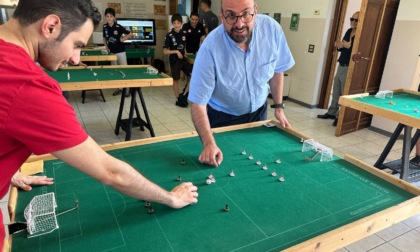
column 343, row 64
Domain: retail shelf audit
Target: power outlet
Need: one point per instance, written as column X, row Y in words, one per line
column 311, row 48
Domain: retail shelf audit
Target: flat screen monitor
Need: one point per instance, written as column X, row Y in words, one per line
column 144, row 30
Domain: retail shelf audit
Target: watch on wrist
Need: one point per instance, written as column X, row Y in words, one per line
column 279, row 105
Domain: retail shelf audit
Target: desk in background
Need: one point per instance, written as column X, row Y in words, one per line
column 132, row 76
column 191, row 58
column 400, row 108
column 140, row 53
column 96, row 55
column 321, row 206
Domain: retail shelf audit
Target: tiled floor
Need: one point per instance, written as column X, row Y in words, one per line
column 98, row 118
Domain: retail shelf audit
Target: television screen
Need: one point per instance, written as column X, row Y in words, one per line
column 144, row 30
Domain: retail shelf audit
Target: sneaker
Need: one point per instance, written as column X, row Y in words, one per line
column 183, row 99
column 415, row 161
column 326, row 116
column 335, row 122
column 116, row 92
column 180, row 104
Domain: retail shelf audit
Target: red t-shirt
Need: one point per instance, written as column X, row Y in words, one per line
column 34, row 115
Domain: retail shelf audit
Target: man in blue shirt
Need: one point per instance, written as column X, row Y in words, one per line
column 235, row 67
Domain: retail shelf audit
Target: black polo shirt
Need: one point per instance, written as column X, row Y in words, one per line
column 193, row 36
column 175, row 41
column 113, row 37
column 345, row 53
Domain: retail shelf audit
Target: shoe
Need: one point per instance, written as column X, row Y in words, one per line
column 180, row 104
column 116, row 92
column 415, row 161
column 183, row 99
column 326, row 116
column 335, row 122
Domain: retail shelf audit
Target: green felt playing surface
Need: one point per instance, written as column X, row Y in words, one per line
column 139, row 52
column 265, row 214
column 401, row 102
column 102, row 74
column 93, row 52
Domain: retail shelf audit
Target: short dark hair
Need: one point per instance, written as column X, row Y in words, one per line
column 194, row 13
column 72, row 13
column 110, row 11
column 208, row 2
column 176, row 17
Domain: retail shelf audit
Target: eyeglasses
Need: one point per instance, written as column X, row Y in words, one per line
column 246, row 17
column 354, row 20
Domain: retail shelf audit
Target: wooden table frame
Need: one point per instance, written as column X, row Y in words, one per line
column 136, row 85
column 329, row 241
column 102, row 57
column 107, row 84
column 405, row 122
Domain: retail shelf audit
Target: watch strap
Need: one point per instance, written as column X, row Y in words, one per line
column 279, row 105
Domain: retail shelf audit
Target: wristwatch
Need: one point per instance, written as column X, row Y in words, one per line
column 279, row 105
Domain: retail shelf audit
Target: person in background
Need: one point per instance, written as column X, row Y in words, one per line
column 174, row 46
column 194, row 33
column 344, row 47
column 235, row 67
column 208, row 18
column 114, row 41
column 52, row 33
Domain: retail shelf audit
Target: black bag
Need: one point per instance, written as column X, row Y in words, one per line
column 159, row 65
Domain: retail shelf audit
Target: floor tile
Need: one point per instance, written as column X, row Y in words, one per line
column 386, row 247
column 413, row 222
column 393, row 231
column 365, row 244
column 408, row 242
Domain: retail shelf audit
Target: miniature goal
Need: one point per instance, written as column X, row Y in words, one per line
column 40, row 215
column 327, row 153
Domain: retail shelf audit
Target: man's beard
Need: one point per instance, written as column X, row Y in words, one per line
column 240, row 38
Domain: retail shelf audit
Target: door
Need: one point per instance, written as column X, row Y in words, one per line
column 370, row 49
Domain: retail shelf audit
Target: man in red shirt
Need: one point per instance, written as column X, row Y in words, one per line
column 36, row 118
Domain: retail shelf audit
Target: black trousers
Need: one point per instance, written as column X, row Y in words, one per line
column 221, row 119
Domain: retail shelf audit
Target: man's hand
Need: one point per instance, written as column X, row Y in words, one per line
column 184, row 194
column 211, row 155
column 279, row 114
column 24, row 181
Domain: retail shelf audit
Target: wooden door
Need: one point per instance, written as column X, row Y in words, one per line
column 370, row 49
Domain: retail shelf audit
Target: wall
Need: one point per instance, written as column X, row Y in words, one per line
column 139, row 9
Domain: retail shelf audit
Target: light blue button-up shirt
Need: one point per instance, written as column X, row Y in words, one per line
column 235, row 81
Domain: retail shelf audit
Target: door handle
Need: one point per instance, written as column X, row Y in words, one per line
column 358, row 56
